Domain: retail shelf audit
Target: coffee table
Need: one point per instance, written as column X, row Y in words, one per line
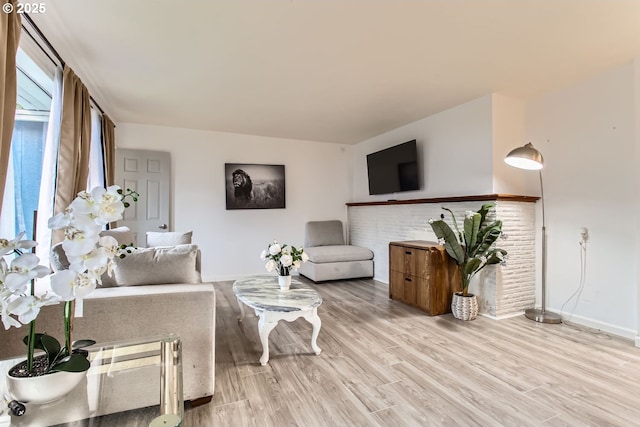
column 124, row 376
column 263, row 294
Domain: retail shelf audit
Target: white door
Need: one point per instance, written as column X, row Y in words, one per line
column 148, row 173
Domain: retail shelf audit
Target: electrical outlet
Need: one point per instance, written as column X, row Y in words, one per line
column 584, row 234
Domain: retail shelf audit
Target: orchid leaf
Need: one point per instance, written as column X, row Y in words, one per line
column 49, row 344
column 81, row 344
column 72, row 363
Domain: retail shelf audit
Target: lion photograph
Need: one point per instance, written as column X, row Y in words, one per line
column 252, row 186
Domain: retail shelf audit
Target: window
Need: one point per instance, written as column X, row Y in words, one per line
column 24, row 176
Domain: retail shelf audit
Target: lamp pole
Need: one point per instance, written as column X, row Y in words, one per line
column 541, row 314
column 528, row 157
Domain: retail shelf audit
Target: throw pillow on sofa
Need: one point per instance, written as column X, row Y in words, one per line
column 168, row 238
column 157, row 266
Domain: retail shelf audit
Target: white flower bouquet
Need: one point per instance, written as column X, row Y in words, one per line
column 283, row 258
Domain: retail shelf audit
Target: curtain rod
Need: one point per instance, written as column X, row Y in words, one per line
column 53, row 50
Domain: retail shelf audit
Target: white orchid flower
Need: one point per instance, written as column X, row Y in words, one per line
column 304, row 257
column 275, row 249
column 28, row 307
column 270, row 265
column 22, row 270
column 108, row 204
column 81, row 236
column 99, row 257
column 69, row 285
column 4, row 270
column 442, row 241
column 59, row 221
column 7, row 320
column 263, row 254
column 296, row 264
column 8, row 246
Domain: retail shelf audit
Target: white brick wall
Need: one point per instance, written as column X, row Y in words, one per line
column 502, row 291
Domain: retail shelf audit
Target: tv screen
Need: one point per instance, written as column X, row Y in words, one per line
column 393, row 169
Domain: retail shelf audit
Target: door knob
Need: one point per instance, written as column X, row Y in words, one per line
column 162, row 227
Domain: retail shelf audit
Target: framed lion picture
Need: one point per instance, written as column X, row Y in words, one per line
column 253, row 186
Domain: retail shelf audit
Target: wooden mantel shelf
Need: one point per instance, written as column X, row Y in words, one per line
column 451, row 199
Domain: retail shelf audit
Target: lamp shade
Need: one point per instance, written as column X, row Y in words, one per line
column 525, row 157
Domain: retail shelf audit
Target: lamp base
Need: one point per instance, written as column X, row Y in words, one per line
column 542, row 316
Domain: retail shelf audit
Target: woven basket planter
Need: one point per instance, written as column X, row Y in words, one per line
column 464, row 308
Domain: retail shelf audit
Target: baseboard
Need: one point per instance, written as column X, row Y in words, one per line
column 605, row 327
column 504, row 316
column 231, row 278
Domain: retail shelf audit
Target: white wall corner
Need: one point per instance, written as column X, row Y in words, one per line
column 508, row 132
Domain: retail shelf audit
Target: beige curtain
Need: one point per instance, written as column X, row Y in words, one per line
column 10, row 24
column 75, row 142
column 109, row 147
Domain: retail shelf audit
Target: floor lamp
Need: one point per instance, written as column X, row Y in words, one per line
column 527, row 157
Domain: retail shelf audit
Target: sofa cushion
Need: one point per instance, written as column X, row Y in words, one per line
column 156, row 266
column 338, row 253
column 323, row 233
column 168, row 238
column 123, row 235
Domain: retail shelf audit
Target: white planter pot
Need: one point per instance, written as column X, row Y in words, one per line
column 464, row 308
column 44, row 388
column 284, row 282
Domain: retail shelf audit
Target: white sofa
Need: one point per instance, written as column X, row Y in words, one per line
column 330, row 258
column 184, row 306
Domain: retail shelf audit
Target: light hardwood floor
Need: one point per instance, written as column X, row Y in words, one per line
column 386, row 364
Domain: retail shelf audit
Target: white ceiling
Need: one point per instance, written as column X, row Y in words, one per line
column 328, row 70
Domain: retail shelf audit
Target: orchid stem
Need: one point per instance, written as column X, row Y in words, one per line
column 68, row 308
column 31, row 342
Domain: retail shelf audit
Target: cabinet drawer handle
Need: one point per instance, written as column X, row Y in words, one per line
column 408, row 253
column 408, row 279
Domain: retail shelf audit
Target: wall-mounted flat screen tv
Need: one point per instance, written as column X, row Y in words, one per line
column 393, row 169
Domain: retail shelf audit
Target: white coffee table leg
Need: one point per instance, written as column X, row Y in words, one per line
column 241, row 305
column 314, row 319
column 264, row 329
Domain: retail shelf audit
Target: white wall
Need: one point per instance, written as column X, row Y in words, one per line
column 587, row 135
column 316, row 189
column 507, row 124
column 454, row 150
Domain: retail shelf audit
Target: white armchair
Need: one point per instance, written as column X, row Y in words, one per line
column 330, row 258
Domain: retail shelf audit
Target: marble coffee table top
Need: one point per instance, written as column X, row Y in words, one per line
column 263, row 293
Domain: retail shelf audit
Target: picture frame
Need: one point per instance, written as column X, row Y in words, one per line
column 254, row 186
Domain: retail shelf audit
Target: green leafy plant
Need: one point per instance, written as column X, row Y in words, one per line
column 472, row 246
column 59, row 358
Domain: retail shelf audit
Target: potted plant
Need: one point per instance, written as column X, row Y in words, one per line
column 90, row 255
column 472, row 249
column 283, row 259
